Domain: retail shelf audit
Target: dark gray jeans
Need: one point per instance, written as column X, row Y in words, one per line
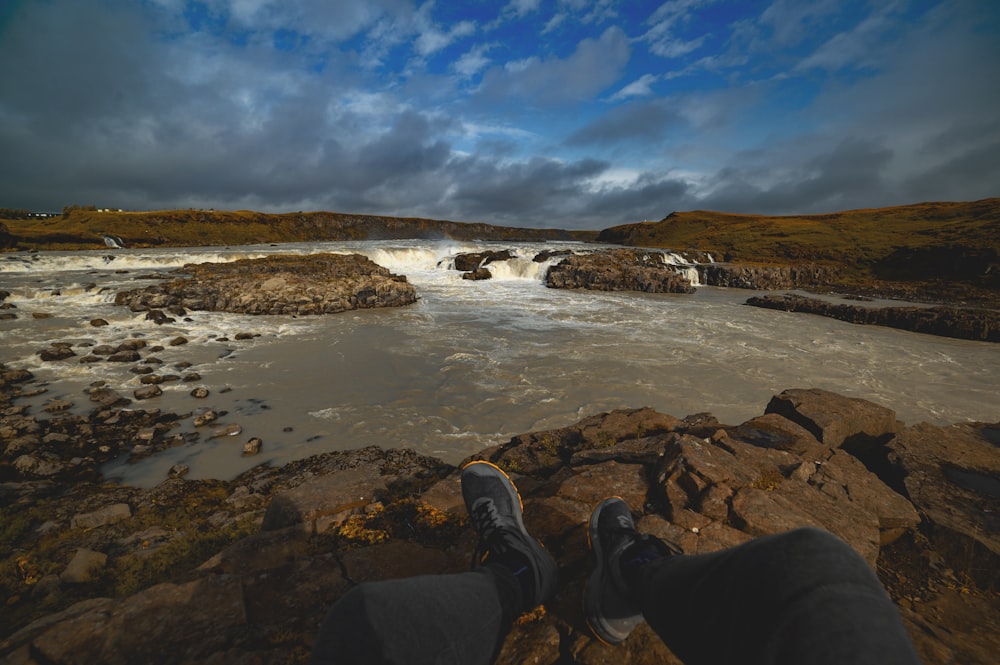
column 799, row 597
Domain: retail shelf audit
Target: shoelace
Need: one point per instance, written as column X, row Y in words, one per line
column 492, row 537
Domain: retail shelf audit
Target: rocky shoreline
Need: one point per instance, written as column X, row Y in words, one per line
column 242, row 571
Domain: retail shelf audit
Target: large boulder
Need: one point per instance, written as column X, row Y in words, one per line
column 314, row 284
column 618, row 270
column 952, row 475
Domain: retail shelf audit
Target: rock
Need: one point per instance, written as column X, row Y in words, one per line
column 547, row 254
column 112, row 514
column 859, row 426
column 314, row 284
column 42, row 315
column 178, row 471
column 158, row 317
column 126, row 356
column 252, row 446
column 191, row 377
column 618, row 270
column 148, row 392
column 60, row 352
column 952, row 475
column 58, row 405
column 98, row 323
column 245, row 336
column 231, row 429
column 103, row 350
column 107, row 397
column 151, row 379
column 204, row 418
column 766, row 278
column 962, row 323
column 473, row 261
column 478, row 274
column 200, row 392
column 85, row 566
column 178, row 341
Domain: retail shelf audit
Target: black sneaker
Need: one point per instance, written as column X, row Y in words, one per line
column 495, row 510
column 608, row 605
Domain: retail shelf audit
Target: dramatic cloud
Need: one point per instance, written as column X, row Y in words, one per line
column 573, row 113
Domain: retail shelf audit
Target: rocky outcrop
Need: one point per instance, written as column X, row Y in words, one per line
column 618, row 270
column 765, row 278
column 6, row 238
column 314, row 284
column 975, row 324
column 244, row 571
column 472, row 261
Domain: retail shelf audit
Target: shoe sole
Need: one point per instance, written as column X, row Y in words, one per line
column 594, row 543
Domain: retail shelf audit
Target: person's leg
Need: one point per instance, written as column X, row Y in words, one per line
column 438, row 619
column 801, row 596
column 795, row 597
column 459, row 618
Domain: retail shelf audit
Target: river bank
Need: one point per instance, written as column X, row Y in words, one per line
column 243, row 570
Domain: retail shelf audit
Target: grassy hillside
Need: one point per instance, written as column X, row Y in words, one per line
column 921, row 242
column 82, row 229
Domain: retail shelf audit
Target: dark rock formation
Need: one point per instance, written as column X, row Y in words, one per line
column 6, row 238
column 472, row 261
column 478, row 274
column 975, row 324
column 315, row 284
column 765, row 278
column 547, row 254
column 617, row 270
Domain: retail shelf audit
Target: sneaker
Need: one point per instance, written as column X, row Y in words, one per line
column 495, row 510
column 610, row 608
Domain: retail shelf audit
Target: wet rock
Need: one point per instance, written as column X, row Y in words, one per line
column 151, row 379
column 58, row 405
column 41, row 315
column 85, row 566
column 245, row 336
column 204, row 418
column 178, row 341
column 252, row 446
column 962, row 323
column 231, row 429
column 158, row 317
column 478, row 274
column 142, row 370
column 103, row 350
column 132, row 345
column 127, row 356
column 472, row 262
column 60, row 352
column 112, row 514
column 178, row 471
column 98, row 323
column 547, row 254
column 106, row 397
column 191, row 377
column 314, row 284
column 200, row 392
column 618, row 270
column 148, row 392
column 91, row 358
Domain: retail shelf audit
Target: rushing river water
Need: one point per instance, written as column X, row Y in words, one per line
column 471, row 364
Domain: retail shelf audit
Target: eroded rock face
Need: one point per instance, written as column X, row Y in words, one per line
column 618, row 270
column 765, row 278
column 315, row 284
column 472, row 261
column 961, row 323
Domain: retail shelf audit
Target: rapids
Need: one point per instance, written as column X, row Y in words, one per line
column 471, row 364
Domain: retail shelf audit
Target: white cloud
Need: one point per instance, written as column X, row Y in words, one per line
column 474, row 61
column 554, row 22
column 664, row 23
column 637, row 88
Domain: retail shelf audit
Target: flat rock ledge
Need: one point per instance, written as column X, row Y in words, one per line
column 244, row 571
column 298, row 285
column 618, row 270
column 961, row 323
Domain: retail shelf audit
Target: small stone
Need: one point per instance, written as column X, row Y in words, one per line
column 151, row 380
column 205, row 418
column 41, row 315
column 132, row 345
column 178, row 341
column 56, row 353
column 57, row 405
column 191, row 376
column 252, row 446
column 98, row 323
column 182, row 365
column 200, row 392
column 141, row 370
column 148, row 392
column 112, row 514
column 84, row 567
column 244, row 335
column 90, row 359
column 178, row 471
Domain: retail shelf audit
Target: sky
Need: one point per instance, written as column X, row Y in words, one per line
column 545, row 113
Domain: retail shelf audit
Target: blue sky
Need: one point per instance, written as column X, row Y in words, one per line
column 568, row 113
